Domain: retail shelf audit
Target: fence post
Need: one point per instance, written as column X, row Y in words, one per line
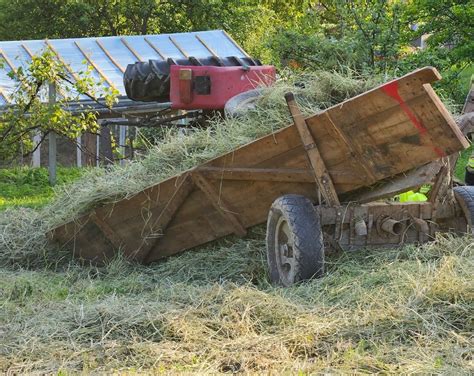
column 36, row 161
column 79, row 151
column 52, row 146
column 122, row 139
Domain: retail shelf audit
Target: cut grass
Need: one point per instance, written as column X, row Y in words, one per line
column 211, row 311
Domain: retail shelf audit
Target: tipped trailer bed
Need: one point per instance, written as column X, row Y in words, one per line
column 318, row 183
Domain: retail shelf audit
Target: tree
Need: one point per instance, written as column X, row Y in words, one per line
column 450, row 24
column 30, row 113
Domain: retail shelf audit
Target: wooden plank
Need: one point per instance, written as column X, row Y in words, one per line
column 155, row 48
column 440, row 177
column 164, row 217
column 213, row 53
column 7, row 60
column 235, row 43
column 469, row 103
column 256, row 174
column 178, row 47
column 108, row 232
column 106, row 154
column 52, row 139
column 446, row 115
column 219, row 203
column 354, row 152
column 89, row 148
column 111, row 58
column 323, row 179
column 61, row 60
column 94, row 65
column 132, row 50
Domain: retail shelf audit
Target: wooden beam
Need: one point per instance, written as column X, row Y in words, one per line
column 61, row 60
column 182, row 192
column 235, row 44
column 7, row 60
column 111, row 58
column 94, row 65
column 445, row 114
column 206, row 45
column 321, row 174
column 108, row 232
column 398, row 184
column 440, row 178
column 291, row 175
column 156, row 49
column 469, row 103
column 52, row 139
column 219, row 203
column 132, row 50
column 178, row 47
column 341, row 136
column 5, row 96
column 27, row 50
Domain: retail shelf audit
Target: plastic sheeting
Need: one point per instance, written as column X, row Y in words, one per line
column 109, row 56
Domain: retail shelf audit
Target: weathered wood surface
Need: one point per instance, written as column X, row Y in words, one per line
column 382, row 133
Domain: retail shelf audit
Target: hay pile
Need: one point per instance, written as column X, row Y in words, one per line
column 22, row 239
column 392, row 311
column 212, row 310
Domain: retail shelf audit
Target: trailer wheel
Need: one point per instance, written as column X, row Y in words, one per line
column 465, row 197
column 239, row 104
column 295, row 249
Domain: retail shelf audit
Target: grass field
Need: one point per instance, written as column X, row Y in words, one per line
column 29, row 187
column 405, row 310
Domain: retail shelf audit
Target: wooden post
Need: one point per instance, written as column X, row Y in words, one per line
column 106, row 154
column 90, row 145
column 321, row 174
column 52, row 146
column 37, row 153
column 79, row 151
column 122, row 138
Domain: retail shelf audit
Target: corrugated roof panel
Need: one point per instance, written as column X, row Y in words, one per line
column 165, row 46
column 222, row 45
column 141, row 49
column 109, row 56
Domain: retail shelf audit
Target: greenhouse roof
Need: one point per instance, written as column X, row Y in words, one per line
column 109, row 56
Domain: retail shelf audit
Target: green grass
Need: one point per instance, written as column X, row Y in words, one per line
column 29, row 187
column 462, row 162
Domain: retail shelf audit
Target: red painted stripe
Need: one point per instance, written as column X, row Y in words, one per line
column 391, row 89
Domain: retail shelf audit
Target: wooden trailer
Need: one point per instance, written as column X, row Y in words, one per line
column 331, row 169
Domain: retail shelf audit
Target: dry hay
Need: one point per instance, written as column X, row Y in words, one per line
column 22, row 234
column 212, row 310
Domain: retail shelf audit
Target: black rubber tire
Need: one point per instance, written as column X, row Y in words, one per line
column 238, row 105
column 307, row 249
column 150, row 80
column 465, row 196
column 143, row 83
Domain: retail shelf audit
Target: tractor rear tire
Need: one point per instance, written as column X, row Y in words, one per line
column 295, row 248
